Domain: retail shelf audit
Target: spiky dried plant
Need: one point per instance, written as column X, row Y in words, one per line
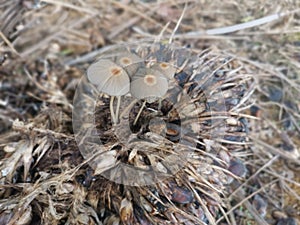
column 174, row 164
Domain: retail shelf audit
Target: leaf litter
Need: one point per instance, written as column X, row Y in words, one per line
column 47, row 47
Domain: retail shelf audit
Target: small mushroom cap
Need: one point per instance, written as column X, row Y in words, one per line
column 125, row 59
column 129, row 61
column 109, row 77
column 148, row 84
column 165, row 68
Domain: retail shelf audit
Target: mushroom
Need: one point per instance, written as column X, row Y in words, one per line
column 111, row 79
column 148, row 84
column 165, row 68
column 129, row 61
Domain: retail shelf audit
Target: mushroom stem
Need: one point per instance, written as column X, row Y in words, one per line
column 111, row 107
column 159, row 104
column 138, row 115
column 126, row 110
column 118, row 108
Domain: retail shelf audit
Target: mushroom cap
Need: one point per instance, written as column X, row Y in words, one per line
column 165, row 68
column 109, row 77
column 129, row 61
column 148, row 84
column 125, row 59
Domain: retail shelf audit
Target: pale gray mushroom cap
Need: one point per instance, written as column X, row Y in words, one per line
column 129, row 61
column 108, row 77
column 125, row 59
column 165, row 68
column 148, row 84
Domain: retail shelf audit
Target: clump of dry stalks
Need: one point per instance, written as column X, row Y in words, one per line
column 45, row 180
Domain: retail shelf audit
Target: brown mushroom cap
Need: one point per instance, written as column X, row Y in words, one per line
column 109, row 77
column 148, row 84
column 165, row 68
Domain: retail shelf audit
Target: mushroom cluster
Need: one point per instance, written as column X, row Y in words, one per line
column 124, row 73
column 172, row 162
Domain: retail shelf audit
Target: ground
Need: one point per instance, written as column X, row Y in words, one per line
column 46, row 47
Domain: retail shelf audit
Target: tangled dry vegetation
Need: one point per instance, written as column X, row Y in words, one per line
column 46, row 47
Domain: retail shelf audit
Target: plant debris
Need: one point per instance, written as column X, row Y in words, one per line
column 231, row 112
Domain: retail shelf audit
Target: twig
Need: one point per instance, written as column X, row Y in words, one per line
column 137, row 12
column 20, row 126
column 238, row 27
column 177, row 24
column 283, row 154
column 245, row 200
column 70, row 6
column 255, row 174
column 9, row 43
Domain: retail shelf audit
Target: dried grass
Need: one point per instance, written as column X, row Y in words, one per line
column 45, row 48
